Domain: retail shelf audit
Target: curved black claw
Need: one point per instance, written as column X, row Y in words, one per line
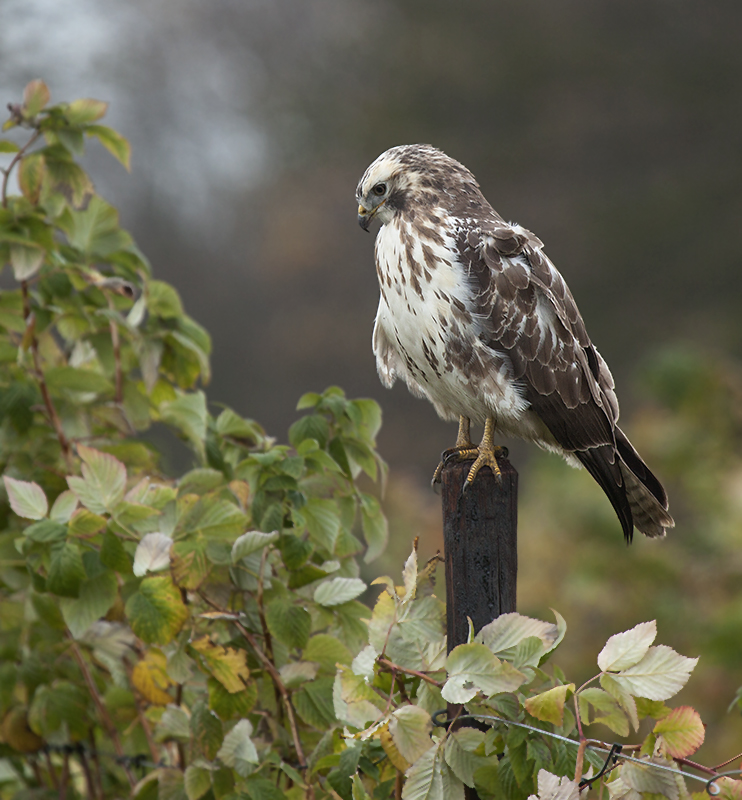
column 465, row 453
column 487, row 457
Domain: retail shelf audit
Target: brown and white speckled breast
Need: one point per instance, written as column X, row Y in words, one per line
column 428, row 333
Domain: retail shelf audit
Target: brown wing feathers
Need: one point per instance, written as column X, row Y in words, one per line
column 557, row 363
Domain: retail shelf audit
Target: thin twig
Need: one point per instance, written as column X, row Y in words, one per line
column 96, row 762
column 728, row 761
column 146, row 727
column 264, row 625
column 37, row 771
column 102, row 710
column 92, row 794
column 390, row 665
column 52, row 772
column 583, row 743
column 280, row 686
column 180, row 745
column 65, row 776
column 16, row 158
column 116, row 342
column 51, row 410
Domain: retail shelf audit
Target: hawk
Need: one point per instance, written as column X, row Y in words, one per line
column 475, row 317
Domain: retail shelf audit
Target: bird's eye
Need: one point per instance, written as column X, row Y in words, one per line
column 379, row 189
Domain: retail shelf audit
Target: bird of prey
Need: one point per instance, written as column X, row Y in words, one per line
column 475, row 317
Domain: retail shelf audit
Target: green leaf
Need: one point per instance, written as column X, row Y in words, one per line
column 308, row 400
column 46, row 530
column 27, row 499
column 188, row 414
column 174, row 724
column 375, row 528
column 472, row 668
column 72, row 139
column 505, row 632
column 661, row 674
column 36, row 95
column 295, row 673
column 213, row 518
column 289, row 623
column 549, row 706
column 66, row 571
column 328, row 651
column 84, row 523
column 152, row 554
column 460, row 756
column 607, row 710
column 95, row 598
column 338, row 590
column 207, row 731
column 47, row 608
column 197, row 781
column 95, row 231
column 251, row 542
column 8, row 147
column 238, row 750
column 354, row 700
column 85, row 110
column 64, row 175
column 644, row 779
column 425, row 778
column 626, row 649
column 228, row 423
column 72, row 379
column 113, row 554
column 410, row 727
column 103, row 480
column 624, row 698
column 26, row 260
column 156, row 611
column 31, row 174
column 113, row 141
column 64, row 507
column 262, row 789
column 313, row 426
column 163, row 300
column 57, row 705
column 200, row 481
column 228, row 705
column 313, row 703
column 322, row 518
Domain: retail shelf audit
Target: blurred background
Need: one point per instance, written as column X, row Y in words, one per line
column 612, row 130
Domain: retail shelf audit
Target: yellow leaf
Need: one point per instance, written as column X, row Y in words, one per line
column 35, row 96
column 549, row 706
column 390, row 749
column 150, row 678
column 227, row 664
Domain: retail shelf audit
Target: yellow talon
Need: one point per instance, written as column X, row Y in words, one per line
column 461, row 451
column 485, row 455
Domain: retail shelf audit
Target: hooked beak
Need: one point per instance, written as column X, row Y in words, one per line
column 365, row 216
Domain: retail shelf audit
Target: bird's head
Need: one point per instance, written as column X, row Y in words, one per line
column 407, row 175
